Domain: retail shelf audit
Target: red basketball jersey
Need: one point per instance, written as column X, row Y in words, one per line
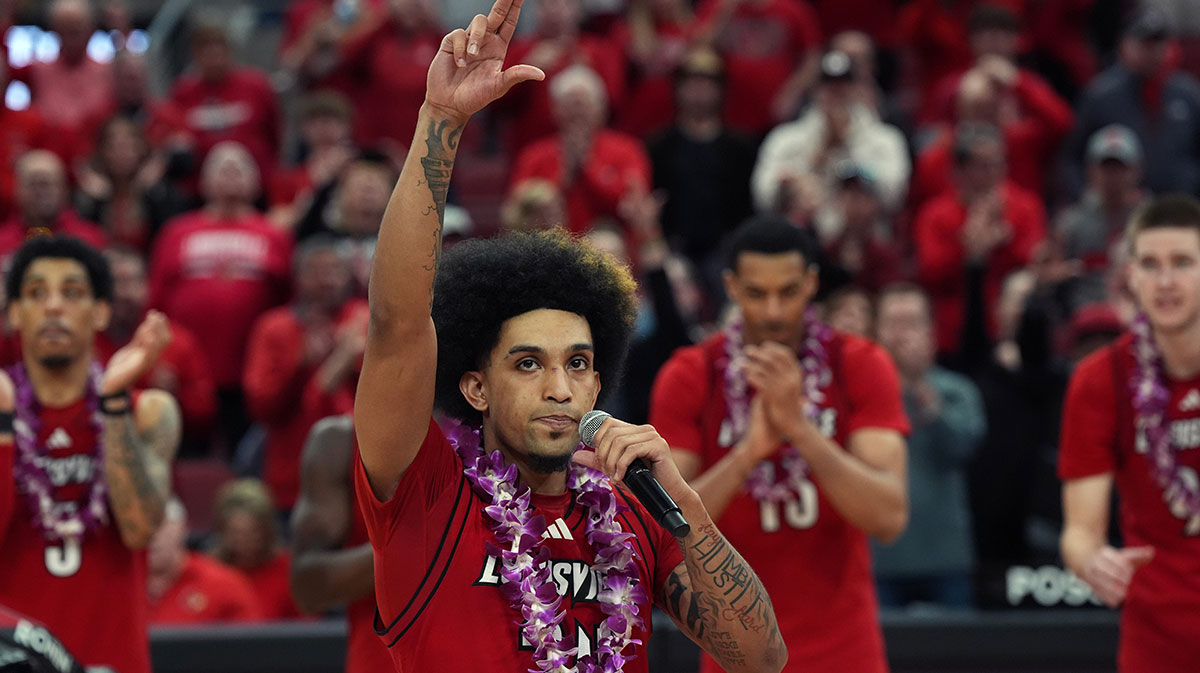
column 1160, row 620
column 365, row 652
column 815, row 566
column 440, row 604
column 90, row 593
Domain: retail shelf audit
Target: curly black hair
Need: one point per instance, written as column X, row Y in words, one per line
column 60, row 247
column 482, row 283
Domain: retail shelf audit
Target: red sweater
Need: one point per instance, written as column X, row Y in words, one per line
column 617, row 162
column 283, row 395
column 216, row 277
column 207, row 591
column 272, row 585
column 242, row 108
column 941, row 261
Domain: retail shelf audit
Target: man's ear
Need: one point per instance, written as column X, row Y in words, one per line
column 731, row 286
column 812, row 282
column 14, row 320
column 101, row 316
column 473, row 386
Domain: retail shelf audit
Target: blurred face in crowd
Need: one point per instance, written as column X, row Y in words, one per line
column 698, row 96
column 122, row 149
column 1113, row 179
column 322, row 279
column 325, row 130
column 904, row 327
column 1165, row 276
column 1144, row 56
column 609, row 241
column 56, row 313
column 131, row 293
column 858, row 46
column 580, row 109
column 859, row 206
column 994, row 42
column 244, row 539
column 213, row 57
column 557, row 17
column 130, row 78
column 984, row 167
column 41, row 190
column 850, row 312
column 363, row 197
column 978, row 100
column 229, row 174
column 772, row 290
column 72, row 20
column 535, row 205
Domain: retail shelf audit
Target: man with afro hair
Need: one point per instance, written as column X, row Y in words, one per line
column 498, row 546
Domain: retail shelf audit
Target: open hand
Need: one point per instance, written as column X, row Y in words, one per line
column 129, row 364
column 1110, row 570
column 468, row 71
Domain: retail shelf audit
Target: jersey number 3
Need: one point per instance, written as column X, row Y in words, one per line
column 64, row 559
column 800, row 513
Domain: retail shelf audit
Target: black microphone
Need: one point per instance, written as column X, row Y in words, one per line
column 640, row 480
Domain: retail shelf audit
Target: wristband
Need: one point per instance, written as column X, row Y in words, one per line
column 116, row 404
column 6, row 422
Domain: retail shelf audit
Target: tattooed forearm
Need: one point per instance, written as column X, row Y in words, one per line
column 137, row 474
column 438, row 162
column 719, row 601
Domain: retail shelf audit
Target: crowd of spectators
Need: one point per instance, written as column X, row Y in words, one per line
column 966, row 168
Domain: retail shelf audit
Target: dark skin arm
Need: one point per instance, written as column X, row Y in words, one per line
column 324, row 575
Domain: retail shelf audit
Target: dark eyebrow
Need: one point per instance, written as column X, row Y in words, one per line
column 538, row 350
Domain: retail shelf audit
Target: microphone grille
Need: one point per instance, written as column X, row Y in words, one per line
column 590, row 424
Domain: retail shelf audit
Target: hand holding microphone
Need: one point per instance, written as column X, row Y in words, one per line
column 619, row 455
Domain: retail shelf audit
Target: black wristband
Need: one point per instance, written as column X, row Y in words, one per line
column 116, row 404
column 6, row 422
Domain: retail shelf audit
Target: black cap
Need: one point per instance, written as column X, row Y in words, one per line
column 1148, row 23
column 836, row 66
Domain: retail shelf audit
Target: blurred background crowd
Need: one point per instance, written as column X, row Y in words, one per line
column 234, row 160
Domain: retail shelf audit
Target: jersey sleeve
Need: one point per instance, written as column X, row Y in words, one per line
column 872, row 387
column 1089, row 423
column 670, row 555
column 434, row 471
column 677, row 399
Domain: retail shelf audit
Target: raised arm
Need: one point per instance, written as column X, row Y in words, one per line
column 395, row 390
column 139, row 441
column 324, row 575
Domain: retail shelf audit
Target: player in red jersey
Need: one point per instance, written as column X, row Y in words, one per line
column 523, row 558
column 1148, row 379
column 92, row 464
column 800, row 516
column 332, row 563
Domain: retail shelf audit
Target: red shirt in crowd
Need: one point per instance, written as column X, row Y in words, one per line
column 206, row 591
column 431, row 562
column 528, row 107
column 365, row 651
column 87, row 592
column 272, row 586
column 242, row 108
column 215, row 277
column 181, row 370
column 616, row 164
column 942, row 262
column 384, row 71
column 14, row 232
column 282, row 393
column 1160, row 620
column 649, row 106
column 67, row 95
column 814, row 564
column 764, row 44
column 1030, row 142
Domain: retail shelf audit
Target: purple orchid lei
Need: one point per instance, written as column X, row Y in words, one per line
column 1150, row 400
column 55, row 522
column 814, row 362
column 526, row 571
